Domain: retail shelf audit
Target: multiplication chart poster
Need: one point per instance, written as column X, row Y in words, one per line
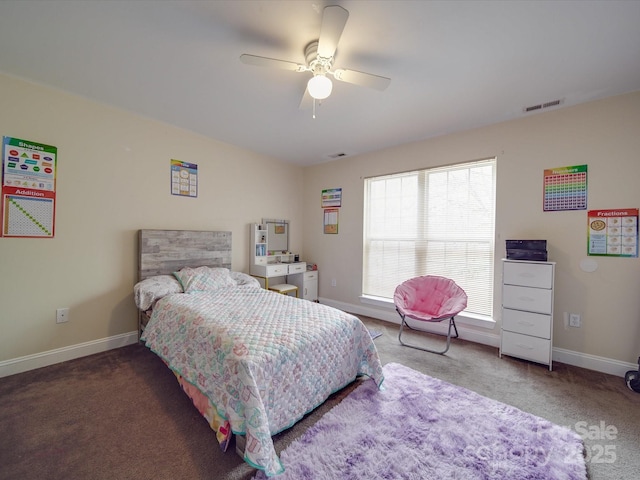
column 613, row 232
column 565, row 188
column 184, row 178
column 28, row 189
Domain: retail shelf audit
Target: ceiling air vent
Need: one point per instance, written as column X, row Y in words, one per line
column 540, row 106
column 337, row 155
column 551, row 104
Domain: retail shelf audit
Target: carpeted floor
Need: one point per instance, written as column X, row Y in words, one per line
column 374, row 333
column 425, row 422
column 121, row 414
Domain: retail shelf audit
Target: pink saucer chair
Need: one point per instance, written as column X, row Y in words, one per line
column 429, row 298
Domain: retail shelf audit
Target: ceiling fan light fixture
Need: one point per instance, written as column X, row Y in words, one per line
column 319, row 87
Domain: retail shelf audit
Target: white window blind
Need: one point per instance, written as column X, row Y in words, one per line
column 438, row 221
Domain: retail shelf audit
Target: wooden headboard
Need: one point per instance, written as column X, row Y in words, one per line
column 163, row 252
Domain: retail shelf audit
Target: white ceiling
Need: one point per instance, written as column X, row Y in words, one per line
column 453, row 65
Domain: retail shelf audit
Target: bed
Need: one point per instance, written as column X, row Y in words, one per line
column 253, row 362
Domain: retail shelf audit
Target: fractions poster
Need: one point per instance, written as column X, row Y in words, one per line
column 565, row 188
column 184, row 178
column 613, row 232
column 28, row 189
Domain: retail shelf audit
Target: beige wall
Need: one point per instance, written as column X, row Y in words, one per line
column 113, row 179
column 603, row 135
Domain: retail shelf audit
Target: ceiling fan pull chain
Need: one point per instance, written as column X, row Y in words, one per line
column 314, row 108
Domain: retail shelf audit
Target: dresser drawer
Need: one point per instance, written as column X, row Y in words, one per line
column 523, row 346
column 311, row 275
column 529, row 299
column 298, row 267
column 279, row 269
column 528, row 274
column 528, row 323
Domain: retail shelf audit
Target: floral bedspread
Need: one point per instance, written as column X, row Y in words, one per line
column 263, row 359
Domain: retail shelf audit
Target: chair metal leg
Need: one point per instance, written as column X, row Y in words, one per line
column 452, row 323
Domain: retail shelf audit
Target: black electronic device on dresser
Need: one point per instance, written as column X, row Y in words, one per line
column 532, row 250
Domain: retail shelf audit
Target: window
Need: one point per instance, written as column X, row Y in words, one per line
column 438, row 221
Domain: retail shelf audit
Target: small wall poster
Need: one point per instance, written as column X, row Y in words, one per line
column 331, row 220
column 565, row 188
column 331, row 197
column 28, row 189
column 184, row 178
column 613, row 233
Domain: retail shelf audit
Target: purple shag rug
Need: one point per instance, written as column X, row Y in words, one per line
column 419, row 427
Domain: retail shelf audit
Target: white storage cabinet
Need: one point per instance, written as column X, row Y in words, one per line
column 307, row 283
column 527, row 310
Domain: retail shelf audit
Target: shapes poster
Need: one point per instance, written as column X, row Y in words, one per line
column 613, row 233
column 565, row 188
column 184, row 178
column 28, row 189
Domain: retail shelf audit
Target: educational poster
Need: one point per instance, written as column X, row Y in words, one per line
column 565, row 188
column 332, row 197
column 28, row 189
column 184, row 178
column 331, row 220
column 613, row 233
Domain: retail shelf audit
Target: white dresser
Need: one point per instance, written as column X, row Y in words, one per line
column 267, row 265
column 527, row 310
column 307, row 283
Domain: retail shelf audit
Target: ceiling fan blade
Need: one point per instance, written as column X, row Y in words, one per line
column 363, row 79
column 334, row 18
column 271, row 63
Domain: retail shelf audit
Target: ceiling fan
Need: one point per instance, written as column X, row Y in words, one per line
column 319, row 57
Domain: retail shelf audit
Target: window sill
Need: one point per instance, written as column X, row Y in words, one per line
column 463, row 318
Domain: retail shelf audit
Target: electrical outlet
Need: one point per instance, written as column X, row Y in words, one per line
column 575, row 320
column 333, row 282
column 62, row 315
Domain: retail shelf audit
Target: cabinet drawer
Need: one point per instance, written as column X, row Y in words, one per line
column 529, row 299
column 523, row 346
column 528, row 274
column 297, row 267
column 527, row 323
column 312, row 275
column 279, row 269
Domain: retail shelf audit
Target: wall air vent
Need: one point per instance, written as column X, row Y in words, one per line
column 540, row 106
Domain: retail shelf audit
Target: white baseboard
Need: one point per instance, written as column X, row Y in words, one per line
column 391, row 316
column 569, row 357
column 51, row 357
column 593, row 362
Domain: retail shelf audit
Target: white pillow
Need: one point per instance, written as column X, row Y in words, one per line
column 151, row 289
column 244, row 279
column 204, row 279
